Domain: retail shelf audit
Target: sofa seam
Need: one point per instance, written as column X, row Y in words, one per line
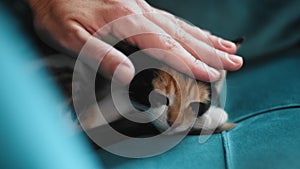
column 225, row 134
column 257, row 113
column 226, row 148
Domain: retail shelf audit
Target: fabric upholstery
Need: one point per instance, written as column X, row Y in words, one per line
column 263, row 97
column 33, row 134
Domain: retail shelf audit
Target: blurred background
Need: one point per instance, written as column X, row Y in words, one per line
column 263, row 97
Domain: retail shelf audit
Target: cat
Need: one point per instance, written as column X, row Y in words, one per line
column 190, row 104
column 185, row 103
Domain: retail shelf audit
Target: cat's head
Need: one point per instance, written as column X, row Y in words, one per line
column 180, row 102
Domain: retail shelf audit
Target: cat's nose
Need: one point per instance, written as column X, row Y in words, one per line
column 173, row 124
column 169, row 122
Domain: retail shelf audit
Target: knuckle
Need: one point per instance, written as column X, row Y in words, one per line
column 135, row 22
column 144, row 6
column 71, row 30
column 168, row 42
column 180, row 34
column 169, row 15
column 202, row 33
column 162, row 56
column 222, row 54
column 76, row 32
column 120, row 8
column 126, row 10
column 67, row 39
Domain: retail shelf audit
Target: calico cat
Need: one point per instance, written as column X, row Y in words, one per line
column 184, row 103
column 189, row 103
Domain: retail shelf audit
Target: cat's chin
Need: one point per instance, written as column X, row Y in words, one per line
column 214, row 117
column 213, row 121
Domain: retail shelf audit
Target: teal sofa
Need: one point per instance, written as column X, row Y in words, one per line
column 263, row 97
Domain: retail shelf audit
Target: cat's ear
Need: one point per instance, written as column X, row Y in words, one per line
column 239, row 41
column 140, row 88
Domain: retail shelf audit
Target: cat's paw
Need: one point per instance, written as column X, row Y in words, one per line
column 213, row 118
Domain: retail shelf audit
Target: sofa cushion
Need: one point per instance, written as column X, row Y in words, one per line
column 263, row 97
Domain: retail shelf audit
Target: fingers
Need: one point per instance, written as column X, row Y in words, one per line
column 202, row 35
column 206, row 47
column 211, row 56
column 149, row 35
column 115, row 64
column 211, row 40
column 110, row 59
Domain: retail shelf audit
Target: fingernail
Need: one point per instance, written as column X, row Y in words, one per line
column 123, row 74
column 226, row 44
column 236, row 59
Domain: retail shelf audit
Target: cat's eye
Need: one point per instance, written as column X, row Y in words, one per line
column 156, row 99
column 199, row 108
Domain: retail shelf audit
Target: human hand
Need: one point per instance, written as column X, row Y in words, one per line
column 69, row 24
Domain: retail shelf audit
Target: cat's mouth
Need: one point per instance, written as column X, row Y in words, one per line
column 212, row 121
column 215, row 121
